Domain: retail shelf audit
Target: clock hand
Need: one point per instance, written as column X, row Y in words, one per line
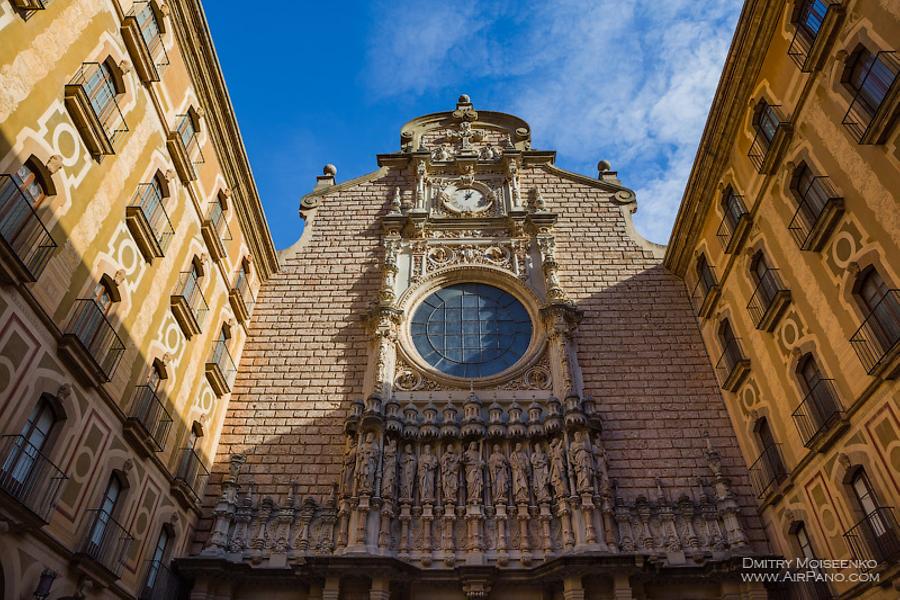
column 468, row 195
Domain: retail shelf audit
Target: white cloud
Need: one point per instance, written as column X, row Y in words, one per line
column 630, row 82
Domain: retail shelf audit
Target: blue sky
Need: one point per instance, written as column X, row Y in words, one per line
column 319, row 82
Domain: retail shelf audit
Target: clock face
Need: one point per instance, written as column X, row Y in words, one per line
column 468, row 200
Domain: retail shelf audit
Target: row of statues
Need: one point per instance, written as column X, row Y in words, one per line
column 560, row 471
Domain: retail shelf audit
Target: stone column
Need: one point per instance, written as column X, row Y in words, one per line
column 332, row 588
column 622, row 587
column 380, row 589
column 572, row 588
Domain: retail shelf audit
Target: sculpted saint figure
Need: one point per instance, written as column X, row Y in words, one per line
column 539, row 468
column 498, row 466
column 601, row 465
column 427, row 466
column 349, row 468
column 407, row 472
column 389, row 469
column 518, row 463
column 474, row 475
column 583, row 462
column 450, row 475
column 368, row 465
column 558, row 468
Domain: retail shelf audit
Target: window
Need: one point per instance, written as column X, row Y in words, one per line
column 765, row 122
column 869, row 77
column 766, row 284
column 732, row 207
column 186, row 129
column 26, row 451
column 107, row 509
column 192, row 281
column 809, row 373
column 101, row 90
column 727, row 339
column 809, row 15
column 471, row 330
column 154, row 378
column 809, row 191
column 705, row 274
column 103, row 296
column 806, row 549
column 882, row 307
column 159, row 555
column 867, row 502
column 148, row 23
column 770, row 449
column 31, row 182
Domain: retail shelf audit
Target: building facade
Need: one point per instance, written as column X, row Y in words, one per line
column 788, row 239
column 132, row 244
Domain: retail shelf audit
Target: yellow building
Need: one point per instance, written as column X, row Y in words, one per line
column 132, row 245
column 788, row 239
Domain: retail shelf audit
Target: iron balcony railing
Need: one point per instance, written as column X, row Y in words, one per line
column 876, row 537
column 768, row 289
column 189, row 289
column 221, row 357
column 242, row 287
column 735, row 213
column 877, row 84
column 817, row 412
column 814, row 200
column 29, row 477
column 219, row 221
column 878, row 337
column 191, row 472
column 105, row 106
column 150, row 412
column 732, row 358
column 809, row 23
column 189, row 138
column 107, row 541
column 767, row 471
column 770, row 122
column 161, row 583
column 96, row 335
column 22, row 230
column 151, row 34
column 148, row 200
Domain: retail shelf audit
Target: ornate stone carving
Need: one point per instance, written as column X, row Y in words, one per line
column 474, row 474
column 427, row 467
column 519, row 465
column 450, row 460
column 407, row 473
column 368, row 465
column 499, row 469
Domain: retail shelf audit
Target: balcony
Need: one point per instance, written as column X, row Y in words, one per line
column 29, row 480
column 90, row 343
column 149, row 422
column 767, row 472
column 31, row 4
column 734, row 226
column 216, row 232
column 188, row 305
column 732, row 367
column 877, row 341
column 102, row 552
column 875, row 538
column 220, row 369
column 190, row 479
column 145, row 46
column 241, row 298
column 186, row 153
column 99, row 123
column 765, row 152
column 25, row 244
column 870, row 124
column 706, row 293
column 808, row 50
column 819, row 417
column 149, row 223
column 769, row 301
column 817, row 215
column 161, row 583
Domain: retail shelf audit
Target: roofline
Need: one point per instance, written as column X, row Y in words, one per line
column 203, row 66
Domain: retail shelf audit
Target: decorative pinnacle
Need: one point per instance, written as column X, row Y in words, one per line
column 329, row 170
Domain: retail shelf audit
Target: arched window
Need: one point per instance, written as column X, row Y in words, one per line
column 761, row 274
column 32, row 180
column 102, row 86
column 149, row 22
column 809, row 191
column 157, row 563
column 729, row 342
column 24, row 454
column 732, row 207
column 869, row 76
column 881, row 304
column 765, row 122
column 100, row 531
column 705, row 274
column 820, row 405
column 105, row 296
column 808, row 17
column 773, row 466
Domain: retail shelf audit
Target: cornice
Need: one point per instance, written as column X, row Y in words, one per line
column 196, row 45
column 753, row 33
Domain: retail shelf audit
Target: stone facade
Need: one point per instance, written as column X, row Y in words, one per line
column 567, row 473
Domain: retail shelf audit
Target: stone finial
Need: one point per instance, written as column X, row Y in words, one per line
column 329, row 170
column 604, row 166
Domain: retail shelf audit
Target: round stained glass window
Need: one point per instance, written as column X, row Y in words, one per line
column 471, row 330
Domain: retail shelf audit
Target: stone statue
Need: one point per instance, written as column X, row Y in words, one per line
column 407, row 472
column 582, row 462
column 368, row 465
column 601, row 465
column 518, row 463
column 474, row 475
column 389, row 469
column 349, row 468
column 558, row 468
column 427, row 466
column 540, row 472
column 450, row 475
column 498, row 466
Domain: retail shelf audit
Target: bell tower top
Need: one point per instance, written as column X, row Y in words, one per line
column 465, row 131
